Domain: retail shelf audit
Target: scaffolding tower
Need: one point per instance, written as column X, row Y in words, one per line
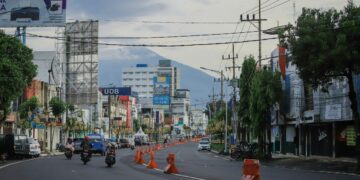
column 81, row 63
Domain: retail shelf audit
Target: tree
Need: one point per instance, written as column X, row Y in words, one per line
column 136, row 125
column 265, row 91
column 247, row 73
column 16, row 70
column 57, row 108
column 325, row 46
column 29, row 106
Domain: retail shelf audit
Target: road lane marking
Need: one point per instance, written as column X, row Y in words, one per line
column 179, row 175
column 14, row 163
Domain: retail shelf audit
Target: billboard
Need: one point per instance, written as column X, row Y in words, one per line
column 161, row 90
column 120, row 91
column 30, row 13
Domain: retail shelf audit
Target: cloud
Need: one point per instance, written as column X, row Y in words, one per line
column 114, row 9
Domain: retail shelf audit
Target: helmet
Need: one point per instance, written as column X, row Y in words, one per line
column 87, row 138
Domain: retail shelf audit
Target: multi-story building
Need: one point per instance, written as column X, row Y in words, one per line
column 180, row 109
column 199, row 122
column 311, row 121
column 140, row 79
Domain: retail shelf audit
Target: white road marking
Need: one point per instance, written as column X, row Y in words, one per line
column 180, row 175
column 14, row 163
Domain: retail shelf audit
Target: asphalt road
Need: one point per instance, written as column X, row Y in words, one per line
column 191, row 164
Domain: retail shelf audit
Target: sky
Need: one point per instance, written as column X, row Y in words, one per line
column 123, row 18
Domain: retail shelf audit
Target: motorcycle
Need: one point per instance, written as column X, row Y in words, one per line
column 68, row 153
column 244, row 151
column 85, row 157
column 110, row 158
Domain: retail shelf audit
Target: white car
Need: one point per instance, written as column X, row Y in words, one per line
column 204, row 145
column 34, row 147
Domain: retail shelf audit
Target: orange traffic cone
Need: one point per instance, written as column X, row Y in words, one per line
column 136, row 159
column 152, row 164
column 141, row 158
column 171, row 168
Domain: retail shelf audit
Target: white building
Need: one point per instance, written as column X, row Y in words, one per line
column 140, row 79
column 199, row 122
column 180, row 109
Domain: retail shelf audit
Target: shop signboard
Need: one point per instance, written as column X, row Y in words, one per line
column 333, row 112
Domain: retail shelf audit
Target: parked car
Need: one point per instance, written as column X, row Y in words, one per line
column 26, row 146
column 34, row 147
column 204, row 145
column 7, row 145
column 77, row 143
column 124, row 143
column 19, row 145
column 98, row 143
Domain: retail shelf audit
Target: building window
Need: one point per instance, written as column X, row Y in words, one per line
column 125, row 72
column 137, row 72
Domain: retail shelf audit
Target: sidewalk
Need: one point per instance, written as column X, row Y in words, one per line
column 313, row 163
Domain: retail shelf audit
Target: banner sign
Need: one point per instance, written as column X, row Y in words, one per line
column 333, row 112
column 32, row 13
column 121, row 91
column 161, row 90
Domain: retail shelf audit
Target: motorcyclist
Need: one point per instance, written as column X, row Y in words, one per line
column 110, row 148
column 86, row 145
column 70, row 144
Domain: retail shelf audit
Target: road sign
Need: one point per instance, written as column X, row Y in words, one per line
column 121, row 91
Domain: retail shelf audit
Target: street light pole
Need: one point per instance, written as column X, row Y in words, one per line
column 226, row 120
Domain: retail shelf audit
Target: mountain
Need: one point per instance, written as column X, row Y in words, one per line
column 199, row 83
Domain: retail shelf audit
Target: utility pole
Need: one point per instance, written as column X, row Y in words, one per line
column 233, row 83
column 222, row 79
column 212, row 99
column 259, row 20
column 259, row 33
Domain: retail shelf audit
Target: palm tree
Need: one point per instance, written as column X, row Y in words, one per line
column 70, row 125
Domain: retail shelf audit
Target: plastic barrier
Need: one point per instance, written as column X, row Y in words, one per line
column 252, row 167
column 171, row 168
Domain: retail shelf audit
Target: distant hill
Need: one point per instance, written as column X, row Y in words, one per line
column 199, row 83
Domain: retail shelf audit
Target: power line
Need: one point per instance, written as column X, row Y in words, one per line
column 165, row 22
column 276, row 6
column 164, row 37
column 254, row 8
column 155, row 45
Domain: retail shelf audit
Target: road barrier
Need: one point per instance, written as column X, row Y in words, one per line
column 171, row 168
column 147, row 150
column 152, row 164
column 251, row 167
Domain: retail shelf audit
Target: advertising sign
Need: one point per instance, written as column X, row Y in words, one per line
column 121, row 91
column 333, row 112
column 30, row 13
column 161, row 90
